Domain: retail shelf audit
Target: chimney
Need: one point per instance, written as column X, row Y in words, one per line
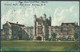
column 17, row 22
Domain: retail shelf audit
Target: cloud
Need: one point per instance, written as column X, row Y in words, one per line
column 26, row 12
column 6, row 17
column 55, row 12
column 63, row 14
column 22, row 16
column 61, row 18
column 75, row 14
column 25, row 16
column 71, row 8
column 12, row 16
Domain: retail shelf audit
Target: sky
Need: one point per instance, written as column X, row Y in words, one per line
column 24, row 11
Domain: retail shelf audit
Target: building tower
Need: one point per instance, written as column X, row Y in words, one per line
column 34, row 26
column 50, row 20
column 41, row 27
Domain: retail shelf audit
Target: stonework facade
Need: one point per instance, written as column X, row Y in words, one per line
column 13, row 30
column 65, row 31
column 68, row 29
column 41, row 27
column 29, row 31
column 42, row 30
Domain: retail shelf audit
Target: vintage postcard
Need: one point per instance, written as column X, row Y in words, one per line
column 39, row 26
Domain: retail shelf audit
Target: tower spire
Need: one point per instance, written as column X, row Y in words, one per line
column 44, row 15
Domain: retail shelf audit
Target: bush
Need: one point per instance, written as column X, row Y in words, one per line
column 25, row 36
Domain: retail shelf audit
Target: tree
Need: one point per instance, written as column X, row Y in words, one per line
column 76, row 35
column 25, row 36
column 54, row 36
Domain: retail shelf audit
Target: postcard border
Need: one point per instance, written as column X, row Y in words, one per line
column 40, row 0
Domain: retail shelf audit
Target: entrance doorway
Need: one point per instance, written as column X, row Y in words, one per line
column 38, row 38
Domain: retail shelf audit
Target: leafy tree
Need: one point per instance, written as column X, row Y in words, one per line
column 17, row 38
column 25, row 36
column 76, row 35
column 54, row 36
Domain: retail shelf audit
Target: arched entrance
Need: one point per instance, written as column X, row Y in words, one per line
column 39, row 38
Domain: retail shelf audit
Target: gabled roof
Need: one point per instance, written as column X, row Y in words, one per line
column 28, row 28
column 16, row 24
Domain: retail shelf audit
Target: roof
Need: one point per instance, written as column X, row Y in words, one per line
column 28, row 27
column 68, row 23
column 17, row 24
column 56, row 26
column 40, row 19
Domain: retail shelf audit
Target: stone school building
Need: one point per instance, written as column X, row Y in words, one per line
column 13, row 31
column 41, row 30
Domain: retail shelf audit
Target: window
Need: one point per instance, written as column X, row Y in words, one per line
column 64, row 37
column 59, row 29
column 64, row 25
column 39, row 23
column 39, row 30
column 69, row 33
column 56, row 29
column 59, row 33
column 64, row 28
column 69, row 29
column 70, row 25
column 64, row 33
column 69, row 36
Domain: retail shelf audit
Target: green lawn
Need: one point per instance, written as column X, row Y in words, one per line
column 24, row 45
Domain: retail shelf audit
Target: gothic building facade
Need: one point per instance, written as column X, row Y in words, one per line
column 64, row 31
column 42, row 30
column 41, row 27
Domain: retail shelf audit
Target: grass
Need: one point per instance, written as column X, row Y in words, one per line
column 23, row 45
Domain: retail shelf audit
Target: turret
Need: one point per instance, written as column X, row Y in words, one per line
column 34, row 25
column 35, row 17
column 50, row 20
column 44, row 16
